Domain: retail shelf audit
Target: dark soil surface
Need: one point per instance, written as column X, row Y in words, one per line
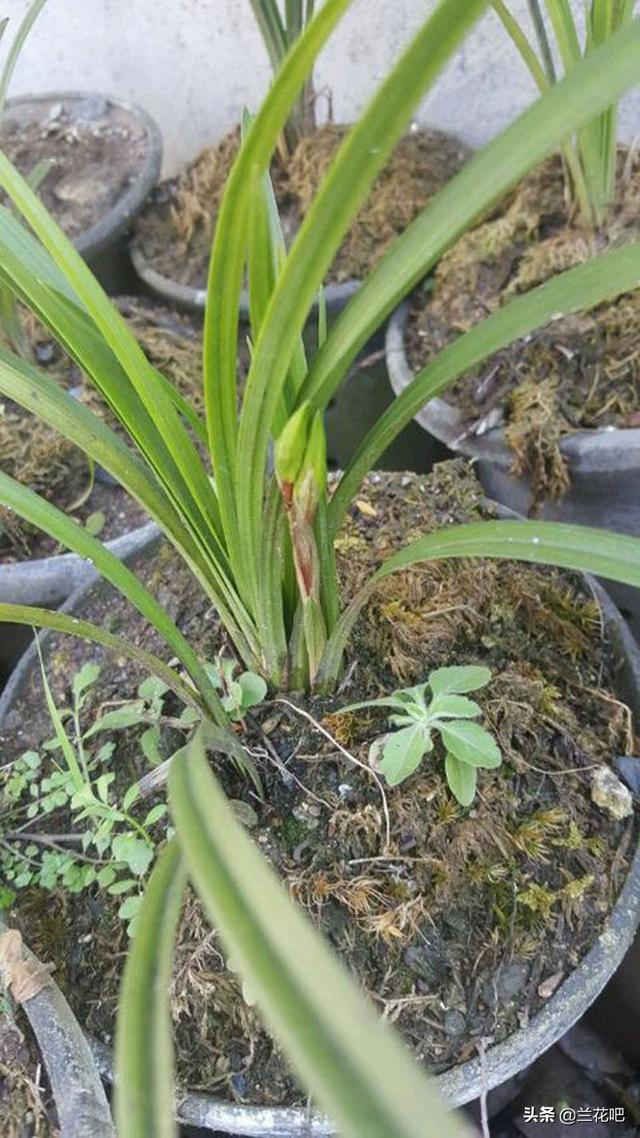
column 580, row 372
column 26, row 1110
column 174, row 232
column 463, row 922
column 38, row 456
column 95, row 149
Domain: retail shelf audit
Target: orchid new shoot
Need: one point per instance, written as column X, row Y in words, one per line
column 279, row 31
column 590, row 156
column 254, row 521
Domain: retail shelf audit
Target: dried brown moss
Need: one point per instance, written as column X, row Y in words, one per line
column 580, row 371
column 176, row 229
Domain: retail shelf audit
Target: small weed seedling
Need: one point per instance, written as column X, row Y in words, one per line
column 447, row 711
column 238, row 695
column 109, row 845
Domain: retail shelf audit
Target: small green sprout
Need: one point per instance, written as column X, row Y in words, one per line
column 114, row 838
column 239, row 694
column 448, row 711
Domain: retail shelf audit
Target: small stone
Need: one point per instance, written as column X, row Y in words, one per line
column 54, row 113
column 610, row 794
column 90, row 108
column 239, row 1084
column 511, row 981
column 366, row 508
column 44, row 353
column 548, row 986
column 82, row 188
column 628, row 767
column 454, row 1023
column 417, row 959
column 303, row 814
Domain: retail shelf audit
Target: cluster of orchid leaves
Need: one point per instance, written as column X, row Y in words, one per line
column 439, row 706
column 260, row 544
column 260, row 540
column 590, row 158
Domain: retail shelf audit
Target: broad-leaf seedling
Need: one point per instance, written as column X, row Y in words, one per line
column 437, row 706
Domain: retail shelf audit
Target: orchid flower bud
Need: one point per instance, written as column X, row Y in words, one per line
column 291, row 444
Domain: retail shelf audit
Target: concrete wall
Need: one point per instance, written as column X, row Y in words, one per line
column 194, row 63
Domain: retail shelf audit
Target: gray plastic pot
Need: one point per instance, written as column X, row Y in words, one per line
column 501, row 1062
column 78, row 1093
column 190, row 299
column 48, row 581
column 102, row 245
column 604, row 466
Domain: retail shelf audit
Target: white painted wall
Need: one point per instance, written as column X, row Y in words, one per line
column 194, row 63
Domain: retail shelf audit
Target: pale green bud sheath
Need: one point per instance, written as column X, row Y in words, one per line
column 312, row 478
column 301, row 468
column 290, row 446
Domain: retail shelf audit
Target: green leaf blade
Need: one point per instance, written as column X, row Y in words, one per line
column 358, row 162
column 360, row 1073
column 144, row 1104
column 462, row 779
column 454, row 707
column 592, row 85
column 471, row 744
column 403, row 753
column 459, row 678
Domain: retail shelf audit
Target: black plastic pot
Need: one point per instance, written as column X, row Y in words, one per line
column 604, row 466
column 103, row 245
column 78, row 1093
column 502, row 1062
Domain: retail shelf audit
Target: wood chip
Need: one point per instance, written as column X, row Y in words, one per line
column 24, row 978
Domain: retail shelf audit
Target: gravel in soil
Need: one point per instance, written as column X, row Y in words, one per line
column 461, row 926
column 175, row 230
column 94, row 150
column 579, row 372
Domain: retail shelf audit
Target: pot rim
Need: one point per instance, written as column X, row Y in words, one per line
column 592, row 451
column 469, row 1080
column 191, row 299
column 74, row 1074
column 48, row 581
column 105, row 232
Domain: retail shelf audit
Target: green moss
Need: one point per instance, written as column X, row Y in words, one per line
column 291, row 833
